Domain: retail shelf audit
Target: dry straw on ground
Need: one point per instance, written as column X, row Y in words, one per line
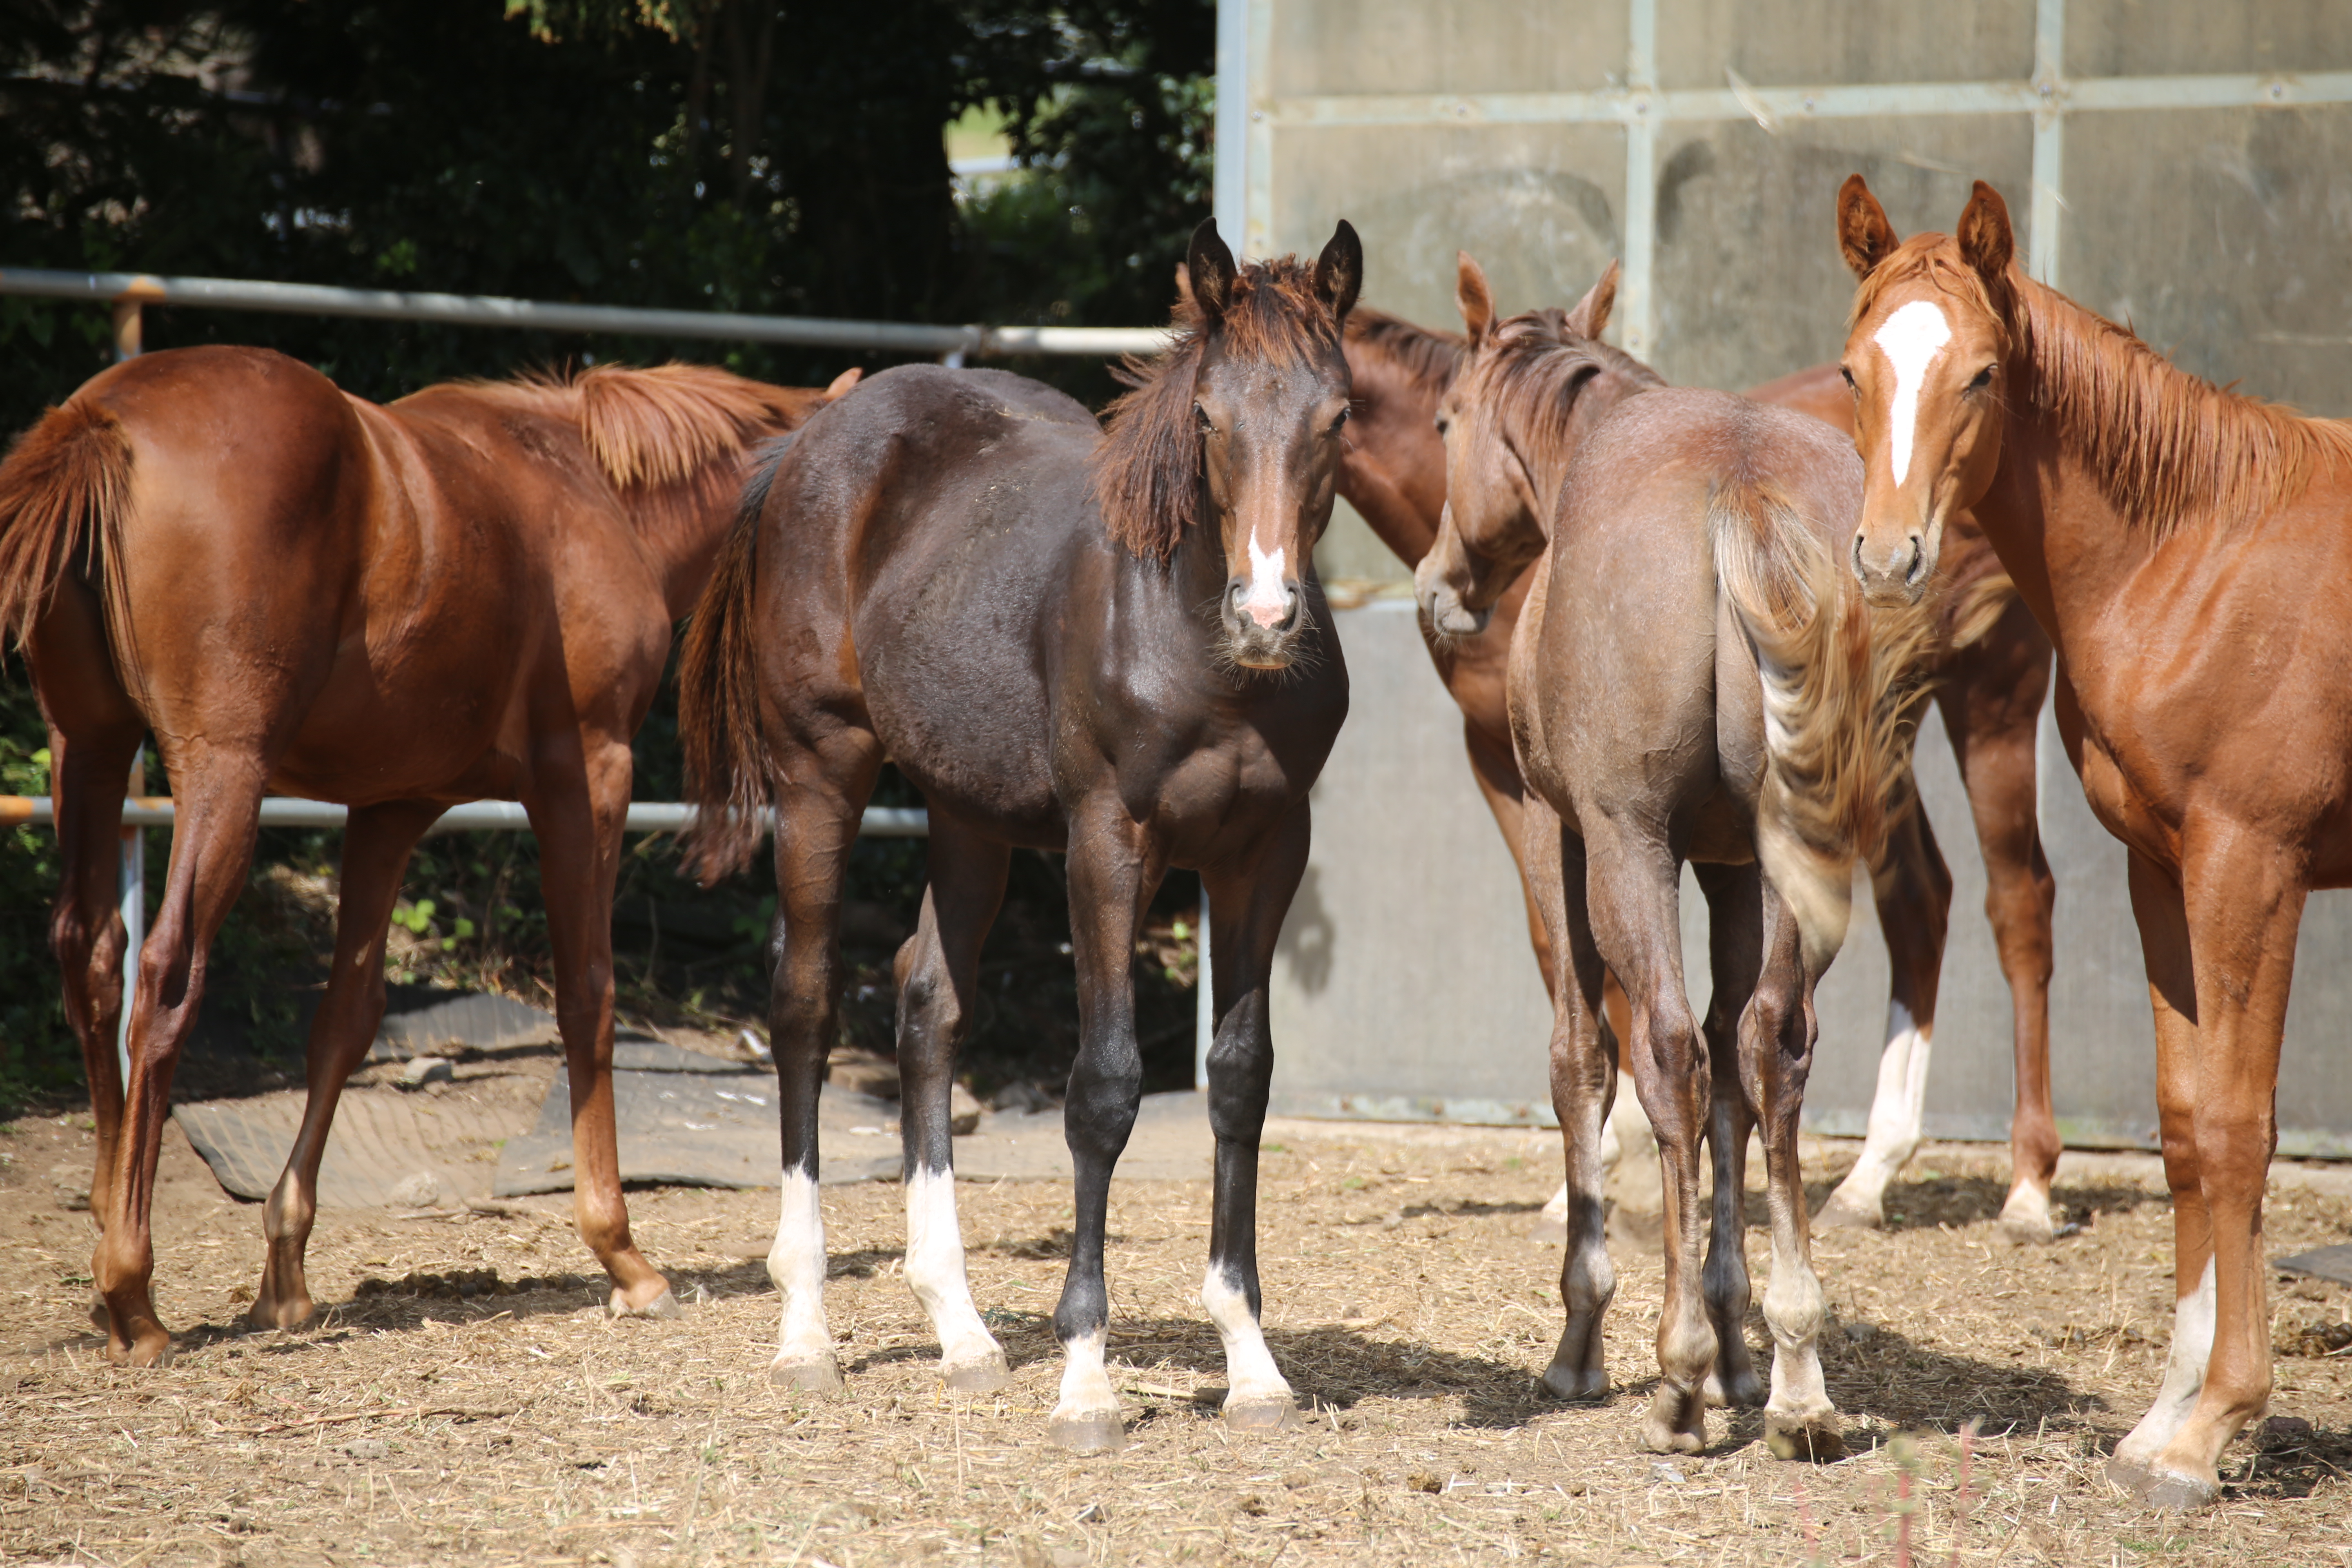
column 1403, row 1301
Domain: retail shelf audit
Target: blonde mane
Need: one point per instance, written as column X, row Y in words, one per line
column 663, row 425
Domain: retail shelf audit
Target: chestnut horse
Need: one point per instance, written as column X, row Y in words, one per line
column 1109, row 645
column 2186, row 549
column 1992, row 669
column 1692, row 679
column 467, row 593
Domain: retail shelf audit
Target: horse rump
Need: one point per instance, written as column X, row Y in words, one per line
column 1841, row 688
column 64, row 489
column 728, row 766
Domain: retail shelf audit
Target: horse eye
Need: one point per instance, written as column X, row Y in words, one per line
column 1340, row 421
column 1442, row 424
column 1849, row 377
column 1983, row 379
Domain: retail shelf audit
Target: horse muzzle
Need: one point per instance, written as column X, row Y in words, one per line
column 1443, row 610
column 1263, row 632
column 1891, row 572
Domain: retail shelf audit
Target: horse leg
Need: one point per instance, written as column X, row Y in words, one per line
column 1734, row 943
column 1992, row 707
column 577, row 806
column 1776, row 1034
column 1632, row 887
column 938, row 973
column 377, row 842
column 1583, row 1082
column 1913, row 891
column 1112, row 875
column 1250, row 902
column 219, row 805
column 2244, row 899
column 822, row 785
column 86, row 930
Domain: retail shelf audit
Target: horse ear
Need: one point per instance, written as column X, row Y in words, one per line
column 1591, row 313
column 1210, row 267
column 1986, row 241
column 1472, row 294
column 1339, row 270
column 1863, row 233
column 841, row 384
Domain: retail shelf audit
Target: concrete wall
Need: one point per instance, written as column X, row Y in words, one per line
column 1703, row 142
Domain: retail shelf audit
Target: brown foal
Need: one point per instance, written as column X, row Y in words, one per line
column 466, row 593
column 2186, row 549
column 1694, row 678
column 1992, row 669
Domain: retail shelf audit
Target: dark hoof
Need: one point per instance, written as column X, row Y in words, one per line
column 1575, row 1382
column 977, row 1376
column 2176, row 1493
column 1745, row 1392
column 1099, row 1432
column 1267, row 1414
column 1815, row 1441
column 807, row 1376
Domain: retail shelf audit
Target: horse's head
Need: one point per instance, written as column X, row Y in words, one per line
column 1927, row 358
column 1497, row 515
column 1269, row 399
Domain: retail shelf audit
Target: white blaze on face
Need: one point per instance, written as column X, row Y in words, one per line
column 1912, row 339
column 1267, row 601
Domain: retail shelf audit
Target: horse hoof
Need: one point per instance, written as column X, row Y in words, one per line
column 266, row 1315
column 819, row 1376
column 1575, row 1382
column 1266, row 1413
column 2174, row 1492
column 2127, row 1475
column 1814, row 1439
column 156, row 1352
column 1842, row 1213
column 1088, row 1431
column 665, row 1305
column 1661, row 1438
column 986, row 1375
column 1745, row 1391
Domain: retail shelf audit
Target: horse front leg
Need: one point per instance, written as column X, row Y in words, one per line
column 1991, row 703
column 2243, row 898
column 1113, row 871
column 1913, row 891
column 1249, row 902
column 377, row 842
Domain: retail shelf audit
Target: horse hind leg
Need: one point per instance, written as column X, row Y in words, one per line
column 1734, row 896
column 938, row 974
column 824, row 788
column 377, row 842
column 1776, row 1034
column 1913, row 893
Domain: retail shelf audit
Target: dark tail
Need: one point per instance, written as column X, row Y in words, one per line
column 63, row 491
column 728, row 768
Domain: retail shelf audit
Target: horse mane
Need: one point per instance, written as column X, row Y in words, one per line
column 2167, row 448
column 663, row 425
column 1147, row 472
column 1533, row 372
column 1431, row 359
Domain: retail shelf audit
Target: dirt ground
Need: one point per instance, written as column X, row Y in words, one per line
column 1404, row 1302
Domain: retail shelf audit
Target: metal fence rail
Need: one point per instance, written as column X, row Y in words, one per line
column 131, row 290
column 478, row 815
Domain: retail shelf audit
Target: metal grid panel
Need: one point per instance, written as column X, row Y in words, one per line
column 2181, row 164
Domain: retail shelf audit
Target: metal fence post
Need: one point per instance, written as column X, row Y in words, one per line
column 131, row 877
column 1204, row 1003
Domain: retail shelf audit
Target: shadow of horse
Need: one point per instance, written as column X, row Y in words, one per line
column 1962, row 1201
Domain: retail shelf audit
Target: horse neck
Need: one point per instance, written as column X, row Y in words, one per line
column 1549, row 450
column 1384, row 479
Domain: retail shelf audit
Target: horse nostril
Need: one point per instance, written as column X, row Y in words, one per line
column 1919, row 561
column 1859, row 569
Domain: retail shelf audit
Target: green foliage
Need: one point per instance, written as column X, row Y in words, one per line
column 715, row 154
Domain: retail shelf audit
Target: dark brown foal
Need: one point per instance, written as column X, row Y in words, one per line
column 1108, row 645
column 466, row 593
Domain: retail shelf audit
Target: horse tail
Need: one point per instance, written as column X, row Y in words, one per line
column 728, row 766
column 1841, row 688
column 65, row 490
